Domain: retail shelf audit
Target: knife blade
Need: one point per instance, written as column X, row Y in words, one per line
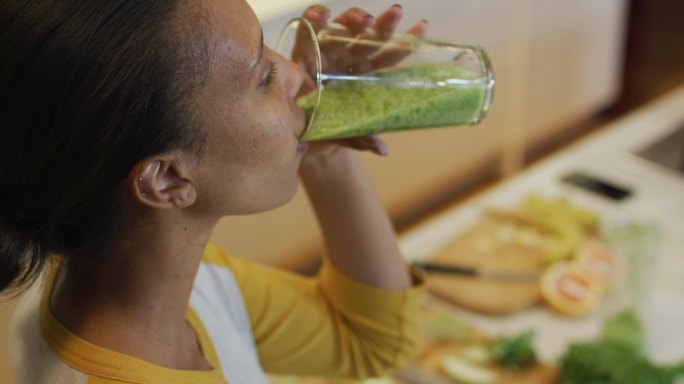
column 475, row 272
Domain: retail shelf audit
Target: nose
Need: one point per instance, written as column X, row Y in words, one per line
column 295, row 80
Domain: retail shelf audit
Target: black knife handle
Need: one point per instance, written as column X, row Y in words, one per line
column 447, row 269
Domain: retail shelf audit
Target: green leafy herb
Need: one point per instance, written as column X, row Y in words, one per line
column 513, row 353
column 607, row 363
column 616, row 358
column 624, row 329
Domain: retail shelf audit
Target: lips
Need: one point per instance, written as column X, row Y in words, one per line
column 302, row 146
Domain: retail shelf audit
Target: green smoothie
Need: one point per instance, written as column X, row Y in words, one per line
column 451, row 96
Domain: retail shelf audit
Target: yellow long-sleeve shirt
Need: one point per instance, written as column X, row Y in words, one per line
column 249, row 318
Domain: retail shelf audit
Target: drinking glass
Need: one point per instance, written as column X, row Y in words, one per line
column 367, row 85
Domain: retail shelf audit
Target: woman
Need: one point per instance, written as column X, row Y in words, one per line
column 128, row 129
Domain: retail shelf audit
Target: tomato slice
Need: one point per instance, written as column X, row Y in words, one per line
column 573, row 288
column 570, row 289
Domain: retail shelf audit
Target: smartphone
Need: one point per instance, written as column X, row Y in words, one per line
column 598, row 185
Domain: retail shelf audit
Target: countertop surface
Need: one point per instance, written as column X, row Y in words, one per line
column 658, row 199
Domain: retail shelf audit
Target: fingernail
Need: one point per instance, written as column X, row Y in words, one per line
column 321, row 10
column 379, row 149
column 397, row 6
column 424, row 21
column 365, row 14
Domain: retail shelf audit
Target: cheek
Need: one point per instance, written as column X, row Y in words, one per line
column 250, row 161
column 257, row 144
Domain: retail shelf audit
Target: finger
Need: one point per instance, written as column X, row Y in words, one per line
column 383, row 29
column 396, row 52
column 387, row 22
column 356, row 20
column 365, row 44
column 418, row 29
column 352, row 143
column 374, row 144
column 303, row 51
column 377, row 145
column 391, row 55
column 318, row 16
column 333, row 42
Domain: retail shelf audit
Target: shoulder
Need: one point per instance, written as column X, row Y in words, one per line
column 215, row 254
column 216, row 257
column 33, row 360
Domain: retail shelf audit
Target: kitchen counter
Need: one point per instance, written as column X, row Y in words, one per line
column 658, row 199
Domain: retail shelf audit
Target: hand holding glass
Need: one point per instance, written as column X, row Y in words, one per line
column 367, row 85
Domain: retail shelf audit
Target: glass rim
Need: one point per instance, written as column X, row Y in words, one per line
column 490, row 81
column 295, row 24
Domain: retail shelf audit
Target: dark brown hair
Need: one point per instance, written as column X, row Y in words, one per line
column 87, row 89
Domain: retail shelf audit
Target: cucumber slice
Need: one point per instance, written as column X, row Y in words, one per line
column 446, row 328
column 378, row 380
column 478, row 354
column 463, row 371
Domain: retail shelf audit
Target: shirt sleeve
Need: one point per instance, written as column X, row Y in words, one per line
column 330, row 325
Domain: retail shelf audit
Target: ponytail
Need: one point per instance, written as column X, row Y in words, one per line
column 22, row 258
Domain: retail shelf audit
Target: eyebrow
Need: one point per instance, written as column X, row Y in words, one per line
column 261, row 51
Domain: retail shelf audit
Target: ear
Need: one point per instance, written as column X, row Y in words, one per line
column 162, row 182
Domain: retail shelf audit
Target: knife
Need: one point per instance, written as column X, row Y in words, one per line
column 475, row 272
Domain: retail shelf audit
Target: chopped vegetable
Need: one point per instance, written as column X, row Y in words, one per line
column 595, row 258
column 286, row 380
column 624, row 329
column 378, row 380
column 513, row 353
column 446, row 328
column 478, row 354
column 608, row 363
column 617, row 358
column 571, row 290
column 639, row 245
column 463, row 371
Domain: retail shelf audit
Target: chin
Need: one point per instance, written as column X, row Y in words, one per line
column 292, row 193
column 274, row 202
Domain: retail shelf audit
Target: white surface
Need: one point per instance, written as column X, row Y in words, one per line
column 269, row 9
column 658, row 198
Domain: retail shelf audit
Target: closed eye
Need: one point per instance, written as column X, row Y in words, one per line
column 270, row 75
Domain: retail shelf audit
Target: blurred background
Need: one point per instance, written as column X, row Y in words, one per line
column 563, row 69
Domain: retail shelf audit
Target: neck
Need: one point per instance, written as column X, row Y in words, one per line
column 135, row 301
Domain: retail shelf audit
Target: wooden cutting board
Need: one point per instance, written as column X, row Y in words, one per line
column 535, row 374
column 495, row 243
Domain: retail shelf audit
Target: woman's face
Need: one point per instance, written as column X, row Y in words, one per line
column 251, row 155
